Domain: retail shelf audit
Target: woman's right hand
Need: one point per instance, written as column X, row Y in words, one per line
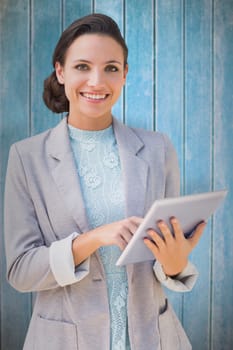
column 117, row 233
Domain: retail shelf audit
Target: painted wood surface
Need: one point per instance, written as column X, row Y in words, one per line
column 180, row 82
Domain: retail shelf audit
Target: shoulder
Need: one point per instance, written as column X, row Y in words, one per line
column 138, row 138
column 39, row 142
column 145, row 135
column 141, row 133
column 30, row 146
column 32, row 143
column 152, row 138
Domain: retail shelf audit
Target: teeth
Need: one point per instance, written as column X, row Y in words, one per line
column 94, row 96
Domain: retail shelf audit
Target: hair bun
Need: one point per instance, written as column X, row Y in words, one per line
column 54, row 95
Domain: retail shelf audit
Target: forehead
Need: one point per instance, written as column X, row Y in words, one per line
column 95, row 47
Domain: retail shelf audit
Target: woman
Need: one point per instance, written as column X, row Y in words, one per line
column 76, row 194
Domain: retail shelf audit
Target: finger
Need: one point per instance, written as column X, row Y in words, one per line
column 156, row 238
column 126, row 235
column 133, row 223
column 121, row 243
column 152, row 246
column 136, row 219
column 166, row 232
column 132, row 227
column 178, row 232
column 197, row 234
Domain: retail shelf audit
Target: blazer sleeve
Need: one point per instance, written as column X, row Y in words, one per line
column 31, row 264
column 183, row 282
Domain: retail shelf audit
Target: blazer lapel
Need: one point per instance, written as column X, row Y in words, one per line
column 134, row 169
column 64, row 173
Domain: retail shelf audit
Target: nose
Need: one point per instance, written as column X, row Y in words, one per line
column 95, row 78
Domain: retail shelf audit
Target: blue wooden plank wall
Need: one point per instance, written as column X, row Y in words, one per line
column 181, row 82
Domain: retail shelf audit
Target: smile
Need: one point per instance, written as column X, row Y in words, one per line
column 94, row 96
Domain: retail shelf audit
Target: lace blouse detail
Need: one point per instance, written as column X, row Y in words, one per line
column 98, row 165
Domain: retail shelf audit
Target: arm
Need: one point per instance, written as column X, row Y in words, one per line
column 69, row 258
column 171, row 251
column 33, row 263
column 27, row 256
column 117, row 233
column 172, row 267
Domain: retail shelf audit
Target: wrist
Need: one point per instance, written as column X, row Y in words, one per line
column 83, row 246
column 95, row 236
column 173, row 273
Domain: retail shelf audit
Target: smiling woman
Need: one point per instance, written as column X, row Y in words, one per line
column 78, row 192
column 93, row 75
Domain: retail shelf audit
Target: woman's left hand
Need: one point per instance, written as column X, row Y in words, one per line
column 172, row 250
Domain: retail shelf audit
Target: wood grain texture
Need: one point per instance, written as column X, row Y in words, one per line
column 45, row 29
column 139, row 90
column 15, row 307
column 222, row 278
column 180, row 82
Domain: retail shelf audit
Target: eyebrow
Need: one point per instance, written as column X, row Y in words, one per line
column 86, row 61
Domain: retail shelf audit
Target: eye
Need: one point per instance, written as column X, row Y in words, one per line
column 111, row 68
column 82, row 67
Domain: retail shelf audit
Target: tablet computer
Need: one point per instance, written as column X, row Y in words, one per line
column 189, row 210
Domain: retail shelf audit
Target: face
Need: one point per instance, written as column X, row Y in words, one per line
column 93, row 76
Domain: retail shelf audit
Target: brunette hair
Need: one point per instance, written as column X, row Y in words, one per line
column 54, row 93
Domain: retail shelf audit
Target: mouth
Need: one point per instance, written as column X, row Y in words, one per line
column 94, row 97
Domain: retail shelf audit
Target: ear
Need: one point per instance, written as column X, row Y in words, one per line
column 59, row 72
column 125, row 72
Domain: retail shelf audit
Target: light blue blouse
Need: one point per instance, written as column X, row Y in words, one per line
column 99, row 169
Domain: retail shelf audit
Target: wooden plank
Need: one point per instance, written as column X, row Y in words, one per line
column 169, row 85
column 15, row 307
column 139, row 108
column 46, row 26
column 198, row 152
column 169, row 72
column 222, row 307
column 73, row 10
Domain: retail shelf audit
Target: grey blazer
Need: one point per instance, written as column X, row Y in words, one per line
column 44, row 206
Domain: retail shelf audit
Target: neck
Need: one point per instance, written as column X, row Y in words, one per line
column 92, row 124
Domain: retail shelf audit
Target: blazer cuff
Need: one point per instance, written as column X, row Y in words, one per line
column 183, row 282
column 62, row 262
